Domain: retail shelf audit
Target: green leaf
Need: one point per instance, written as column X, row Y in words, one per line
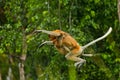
column 117, row 60
column 105, row 56
column 87, row 17
column 1, row 51
column 96, row 1
column 92, row 13
column 112, row 45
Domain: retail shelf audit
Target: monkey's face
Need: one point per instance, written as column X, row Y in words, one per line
column 52, row 37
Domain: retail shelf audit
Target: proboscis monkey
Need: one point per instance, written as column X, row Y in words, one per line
column 68, row 46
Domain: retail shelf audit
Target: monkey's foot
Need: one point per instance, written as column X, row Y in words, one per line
column 79, row 64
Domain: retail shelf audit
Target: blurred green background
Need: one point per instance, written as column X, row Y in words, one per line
column 22, row 59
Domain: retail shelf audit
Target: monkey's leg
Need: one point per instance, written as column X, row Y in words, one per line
column 46, row 42
column 89, row 55
column 74, row 57
column 66, row 48
column 79, row 63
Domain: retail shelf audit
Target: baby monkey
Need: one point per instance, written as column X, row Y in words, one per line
column 68, row 46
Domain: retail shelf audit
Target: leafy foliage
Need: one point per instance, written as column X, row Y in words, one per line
column 85, row 20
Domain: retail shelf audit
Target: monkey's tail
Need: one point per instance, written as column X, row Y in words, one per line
column 98, row 39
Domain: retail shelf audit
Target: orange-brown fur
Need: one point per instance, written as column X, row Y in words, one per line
column 67, row 45
column 65, row 40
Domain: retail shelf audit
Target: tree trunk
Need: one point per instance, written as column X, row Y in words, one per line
column 23, row 57
column 118, row 10
column 21, row 70
column 0, row 76
column 10, row 75
column 72, row 71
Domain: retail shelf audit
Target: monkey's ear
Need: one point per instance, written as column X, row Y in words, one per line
column 48, row 32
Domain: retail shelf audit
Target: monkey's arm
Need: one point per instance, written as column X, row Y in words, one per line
column 46, row 42
column 49, row 32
